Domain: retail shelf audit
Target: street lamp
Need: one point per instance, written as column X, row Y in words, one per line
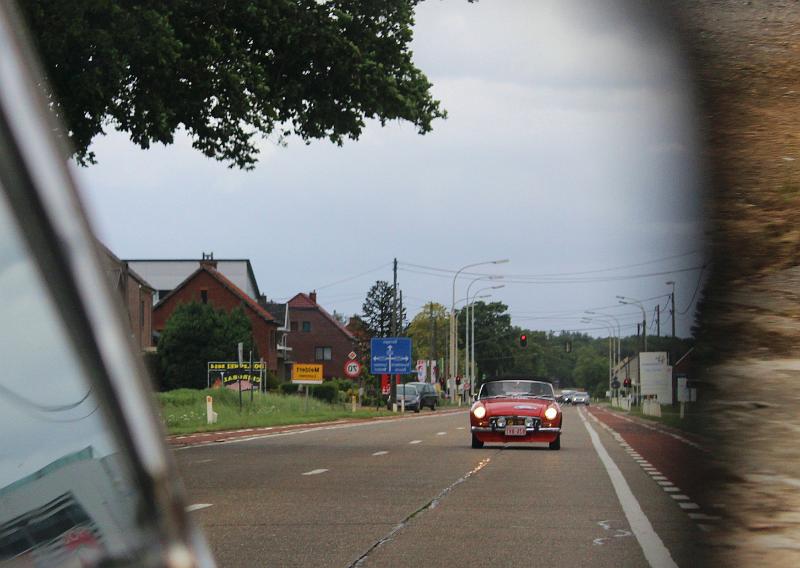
column 610, row 329
column 628, row 301
column 469, row 357
column 453, row 350
column 619, row 331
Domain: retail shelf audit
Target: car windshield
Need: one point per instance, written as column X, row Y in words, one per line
column 406, row 390
column 516, row 388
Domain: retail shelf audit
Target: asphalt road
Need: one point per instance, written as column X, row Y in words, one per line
column 411, row 492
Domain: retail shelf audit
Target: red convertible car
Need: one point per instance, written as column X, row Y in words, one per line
column 516, row 411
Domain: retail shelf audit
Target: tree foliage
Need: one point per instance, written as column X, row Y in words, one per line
column 421, row 331
column 228, row 71
column 196, row 334
column 377, row 310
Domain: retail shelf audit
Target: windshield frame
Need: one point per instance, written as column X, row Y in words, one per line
column 483, row 396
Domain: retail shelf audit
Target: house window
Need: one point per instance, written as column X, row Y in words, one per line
column 204, row 296
column 322, row 353
column 294, row 326
column 306, row 326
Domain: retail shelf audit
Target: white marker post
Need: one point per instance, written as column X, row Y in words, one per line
column 211, row 416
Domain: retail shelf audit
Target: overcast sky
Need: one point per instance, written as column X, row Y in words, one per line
column 569, row 148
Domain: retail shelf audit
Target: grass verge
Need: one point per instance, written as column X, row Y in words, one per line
column 184, row 410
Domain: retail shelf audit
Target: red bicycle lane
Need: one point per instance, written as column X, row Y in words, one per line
column 677, row 461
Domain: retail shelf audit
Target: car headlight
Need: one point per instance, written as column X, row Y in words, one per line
column 528, row 422
column 551, row 413
column 479, row 412
column 501, row 422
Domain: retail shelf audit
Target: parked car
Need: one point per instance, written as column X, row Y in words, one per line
column 516, row 411
column 580, row 398
column 428, row 395
column 408, row 396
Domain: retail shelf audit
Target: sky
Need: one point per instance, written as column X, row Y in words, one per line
column 569, row 149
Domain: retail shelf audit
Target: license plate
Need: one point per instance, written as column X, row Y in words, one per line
column 515, row 430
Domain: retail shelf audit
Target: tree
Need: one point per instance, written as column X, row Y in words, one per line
column 421, row 330
column 493, row 338
column 377, row 310
column 228, row 71
column 195, row 334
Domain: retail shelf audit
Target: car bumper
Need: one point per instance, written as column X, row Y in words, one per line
column 487, row 434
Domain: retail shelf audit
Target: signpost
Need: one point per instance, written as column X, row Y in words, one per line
column 352, row 369
column 391, row 355
column 226, row 373
column 307, row 374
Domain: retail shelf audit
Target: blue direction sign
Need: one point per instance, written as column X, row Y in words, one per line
column 391, row 355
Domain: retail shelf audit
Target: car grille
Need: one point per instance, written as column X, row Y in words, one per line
column 515, row 421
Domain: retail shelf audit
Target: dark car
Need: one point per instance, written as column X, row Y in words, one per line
column 428, row 395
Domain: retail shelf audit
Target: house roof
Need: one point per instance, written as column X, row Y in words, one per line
column 123, row 266
column 278, row 310
column 225, row 282
column 250, row 274
column 304, row 302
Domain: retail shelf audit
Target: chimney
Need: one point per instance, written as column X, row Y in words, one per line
column 313, row 296
column 208, row 261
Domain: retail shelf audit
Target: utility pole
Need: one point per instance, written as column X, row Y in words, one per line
column 433, row 339
column 400, row 314
column 658, row 320
column 392, row 383
column 672, row 306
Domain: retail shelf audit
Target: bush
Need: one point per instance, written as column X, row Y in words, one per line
column 289, row 388
column 328, row 392
column 273, row 382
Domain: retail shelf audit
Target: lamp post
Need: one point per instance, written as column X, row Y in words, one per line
column 469, row 358
column 626, row 300
column 619, row 331
column 610, row 329
column 453, row 349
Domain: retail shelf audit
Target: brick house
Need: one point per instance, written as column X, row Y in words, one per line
column 317, row 337
column 209, row 286
column 136, row 295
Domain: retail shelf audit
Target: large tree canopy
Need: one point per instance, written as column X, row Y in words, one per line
column 229, row 71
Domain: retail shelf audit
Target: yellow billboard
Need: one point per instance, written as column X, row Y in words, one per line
column 307, row 373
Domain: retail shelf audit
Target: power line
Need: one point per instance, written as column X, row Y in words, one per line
column 349, row 278
column 559, row 274
column 592, row 280
column 696, row 289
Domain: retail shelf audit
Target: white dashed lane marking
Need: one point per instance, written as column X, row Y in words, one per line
column 381, row 453
column 441, row 433
column 688, row 505
column 314, row 472
column 415, row 442
column 197, row 507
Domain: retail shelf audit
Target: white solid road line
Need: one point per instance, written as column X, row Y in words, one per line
column 314, row 472
column 655, row 552
column 198, row 506
column 381, row 453
column 415, row 442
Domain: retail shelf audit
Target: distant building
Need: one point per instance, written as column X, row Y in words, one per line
column 165, row 274
column 207, row 285
column 136, row 294
column 317, row 337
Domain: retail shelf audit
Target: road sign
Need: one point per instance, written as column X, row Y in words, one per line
column 615, row 384
column 307, row 374
column 352, row 355
column 391, row 355
column 352, row 369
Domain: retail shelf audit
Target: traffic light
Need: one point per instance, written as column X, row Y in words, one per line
column 523, row 340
